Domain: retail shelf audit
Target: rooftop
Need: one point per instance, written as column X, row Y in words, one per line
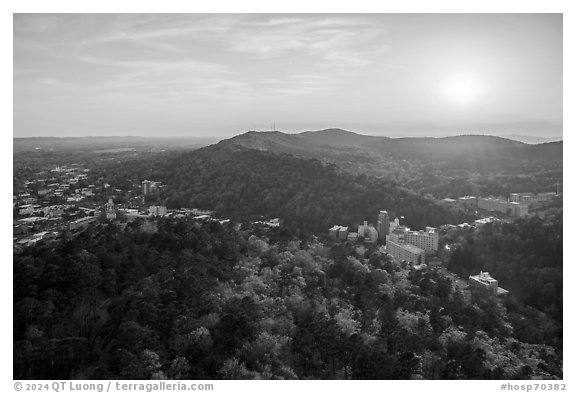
column 483, row 277
column 409, row 247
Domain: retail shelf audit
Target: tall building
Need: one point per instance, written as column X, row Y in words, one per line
column 146, row 187
column 110, row 210
column 383, row 225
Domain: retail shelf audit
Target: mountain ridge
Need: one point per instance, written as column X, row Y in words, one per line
column 479, row 164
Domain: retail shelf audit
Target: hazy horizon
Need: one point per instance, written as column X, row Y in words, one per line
column 216, row 138
column 219, row 75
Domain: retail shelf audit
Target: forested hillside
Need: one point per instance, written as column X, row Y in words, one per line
column 444, row 167
column 525, row 256
column 181, row 300
column 242, row 183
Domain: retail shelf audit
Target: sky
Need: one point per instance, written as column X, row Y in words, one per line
column 218, row 75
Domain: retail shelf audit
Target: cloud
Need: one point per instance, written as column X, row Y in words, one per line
column 308, row 54
column 216, row 56
column 311, row 35
column 34, row 23
column 262, row 36
column 148, row 66
column 47, row 81
column 161, row 31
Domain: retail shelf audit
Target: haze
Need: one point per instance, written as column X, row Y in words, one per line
column 206, row 75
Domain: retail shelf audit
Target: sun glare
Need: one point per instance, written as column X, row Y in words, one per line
column 462, row 88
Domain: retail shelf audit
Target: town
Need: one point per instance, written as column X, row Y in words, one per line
column 66, row 199
column 419, row 249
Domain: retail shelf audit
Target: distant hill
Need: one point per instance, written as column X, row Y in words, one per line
column 314, row 143
column 533, row 140
column 338, row 137
column 91, row 143
column 485, row 164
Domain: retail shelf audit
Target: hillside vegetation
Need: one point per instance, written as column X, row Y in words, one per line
column 180, row 300
column 242, row 183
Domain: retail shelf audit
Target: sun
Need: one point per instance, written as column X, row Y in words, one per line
column 462, row 88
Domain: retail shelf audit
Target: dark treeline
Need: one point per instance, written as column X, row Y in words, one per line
column 181, row 300
column 525, row 256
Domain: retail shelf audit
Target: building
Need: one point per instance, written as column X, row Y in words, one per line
column 110, row 210
column 468, row 200
column 514, row 209
column 273, row 223
column 26, row 210
column 484, row 282
column 157, row 210
column 383, row 225
column 82, row 222
column 146, row 187
column 53, row 211
column 397, row 234
column 486, row 220
column 427, row 240
column 406, row 252
column 528, row 198
column 494, row 204
column 369, row 233
column 338, row 232
column 393, row 225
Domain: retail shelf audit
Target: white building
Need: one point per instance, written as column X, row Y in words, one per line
column 468, row 200
column 514, row 209
column 110, row 210
column 397, row 235
column 393, row 225
column 368, row 231
column 426, row 240
column 528, row 198
column 82, row 222
column 157, row 210
column 338, row 232
column 273, row 223
column 146, row 187
column 486, row 220
column 26, row 210
column 406, row 252
column 485, row 282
